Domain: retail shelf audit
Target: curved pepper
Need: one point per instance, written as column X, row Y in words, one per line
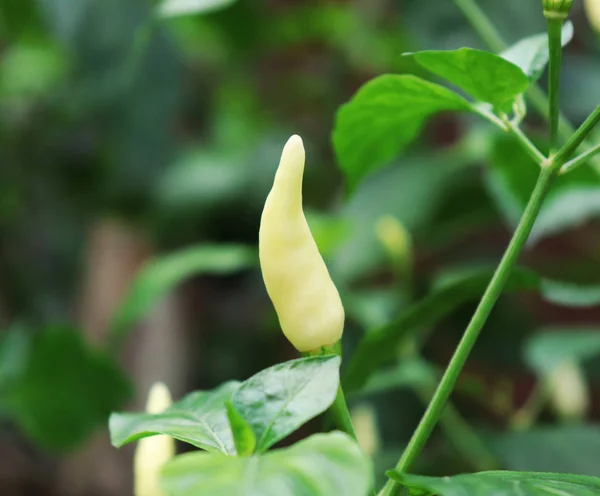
column 307, row 302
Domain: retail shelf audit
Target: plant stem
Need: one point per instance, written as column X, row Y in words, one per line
column 461, row 434
column 491, row 295
column 341, row 415
column 339, row 408
column 554, row 63
column 578, row 137
column 525, row 142
column 481, row 24
column 581, row 159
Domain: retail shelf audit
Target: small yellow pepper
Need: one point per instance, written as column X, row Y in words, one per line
column 592, row 9
column 569, row 392
column 153, row 452
column 307, row 302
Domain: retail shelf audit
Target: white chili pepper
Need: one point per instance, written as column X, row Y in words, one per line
column 307, row 302
column 153, row 452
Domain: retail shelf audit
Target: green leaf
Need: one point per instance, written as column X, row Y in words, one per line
column 500, row 483
column 278, row 400
column 14, row 354
column 175, row 8
column 381, row 345
column 162, row 274
column 550, row 449
column 243, row 436
column 30, row 70
column 200, row 419
column 483, row 75
column 323, row 464
column 573, row 199
column 65, row 391
column 570, row 294
column 531, row 54
column 382, row 118
column 547, row 350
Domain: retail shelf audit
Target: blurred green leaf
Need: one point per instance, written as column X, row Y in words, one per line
column 409, row 373
column 66, row 390
column 243, row 435
column 573, row 199
column 162, row 274
column 500, row 483
column 278, row 400
column 570, row 294
column 199, row 179
column 329, row 230
column 411, row 191
column 174, row 8
column 322, row 464
column 383, row 344
column 15, row 346
column 382, row 118
column 371, row 307
column 550, row 449
column 483, row 75
column 200, row 419
column 531, row 54
column 29, row 69
column 546, row 350
column 65, row 18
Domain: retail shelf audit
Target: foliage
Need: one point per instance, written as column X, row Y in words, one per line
column 170, row 116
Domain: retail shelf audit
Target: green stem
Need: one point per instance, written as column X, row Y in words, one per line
column 578, row 137
column 460, row 434
column 555, row 46
column 581, row 159
column 525, row 142
column 481, row 24
column 491, row 295
column 341, row 414
column 339, row 408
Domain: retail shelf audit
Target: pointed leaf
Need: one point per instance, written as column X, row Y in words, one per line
column 200, row 418
column 161, row 275
column 547, row 350
column 500, row 483
column 278, row 400
column 382, row 118
column 325, row 464
column 483, row 75
column 243, row 435
column 532, row 54
column 571, row 294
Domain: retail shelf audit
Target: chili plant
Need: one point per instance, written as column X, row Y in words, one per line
column 236, row 425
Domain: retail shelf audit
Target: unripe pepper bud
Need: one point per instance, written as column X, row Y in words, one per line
column 153, row 452
column 364, row 419
column 557, row 9
column 568, row 389
column 307, row 302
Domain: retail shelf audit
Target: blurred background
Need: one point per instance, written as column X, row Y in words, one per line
column 137, row 145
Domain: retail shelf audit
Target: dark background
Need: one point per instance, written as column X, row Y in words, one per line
column 121, row 141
